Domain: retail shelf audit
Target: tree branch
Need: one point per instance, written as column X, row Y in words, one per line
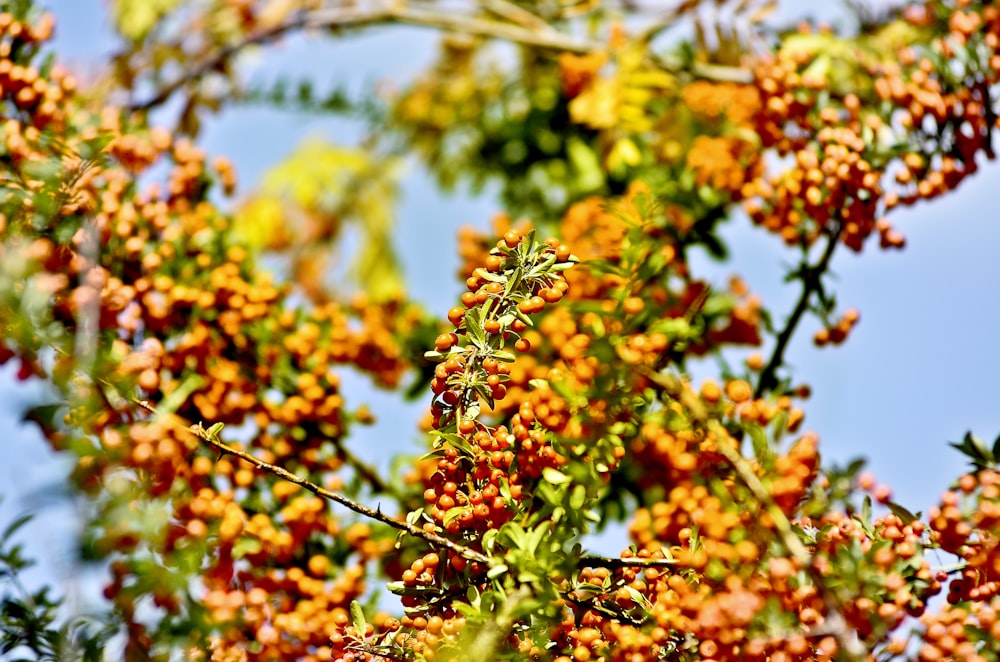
column 540, row 36
column 616, row 563
column 810, row 285
column 213, row 440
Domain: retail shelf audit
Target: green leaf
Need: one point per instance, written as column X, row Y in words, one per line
column 514, row 282
column 474, row 328
column 176, row 398
column 135, row 18
column 454, row 513
column 413, row 516
column 761, row 448
column 246, row 545
column 524, row 318
column 358, row 618
column 555, row 476
column 515, row 534
column 586, row 163
column 496, row 571
column 902, row 513
column 974, row 448
column 12, row 528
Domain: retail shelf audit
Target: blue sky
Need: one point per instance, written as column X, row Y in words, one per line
column 919, row 370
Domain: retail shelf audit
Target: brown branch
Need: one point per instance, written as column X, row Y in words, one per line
column 811, row 276
column 541, row 36
column 616, row 563
column 340, row 18
column 835, row 622
column 375, row 514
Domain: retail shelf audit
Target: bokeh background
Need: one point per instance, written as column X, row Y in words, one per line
column 922, row 367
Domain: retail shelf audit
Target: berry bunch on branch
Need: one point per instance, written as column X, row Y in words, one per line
column 206, row 352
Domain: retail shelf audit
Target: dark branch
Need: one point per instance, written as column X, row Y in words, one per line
column 811, row 275
column 616, row 563
column 540, row 36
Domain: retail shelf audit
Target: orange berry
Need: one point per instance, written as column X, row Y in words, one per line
column 633, row 305
column 550, row 294
column 755, row 361
column 739, row 390
column 445, row 341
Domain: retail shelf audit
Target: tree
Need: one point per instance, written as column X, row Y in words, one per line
column 195, row 346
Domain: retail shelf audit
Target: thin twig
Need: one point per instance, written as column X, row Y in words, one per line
column 375, row 514
column 344, row 18
column 811, row 276
column 837, row 625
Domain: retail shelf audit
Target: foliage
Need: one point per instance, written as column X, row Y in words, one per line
column 30, row 621
column 199, row 393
